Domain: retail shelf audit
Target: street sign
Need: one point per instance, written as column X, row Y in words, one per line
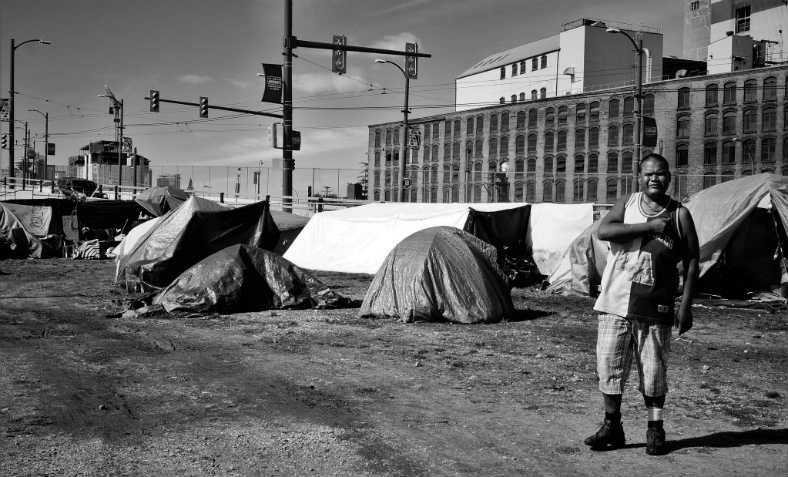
column 339, row 57
column 50, row 149
column 414, row 140
column 406, row 182
column 126, row 147
column 272, row 92
column 3, row 109
column 649, row 131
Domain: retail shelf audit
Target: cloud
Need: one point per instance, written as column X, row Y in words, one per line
column 317, row 83
column 238, row 83
column 195, row 79
column 396, row 42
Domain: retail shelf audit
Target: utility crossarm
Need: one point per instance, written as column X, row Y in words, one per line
column 223, row 108
column 363, row 49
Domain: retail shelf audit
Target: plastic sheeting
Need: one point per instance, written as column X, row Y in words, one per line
column 15, row 240
column 240, row 278
column 580, row 269
column 191, row 232
column 440, row 273
column 161, row 199
column 357, row 239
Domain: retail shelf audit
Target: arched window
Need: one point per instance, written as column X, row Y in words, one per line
column 648, row 105
column 542, row 93
column 748, row 152
column 577, row 189
column 627, row 133
column 549, row 141
column 427, row 150
column 612, row 136
column 548, row 166
column 530, row 191
column 684, row 98
column 502, row 100
column 493, row 155
column 591, row 186
column 629, row 106
column 504, row 147
column 560, row 164
column 580, row 163
column 682, row 155
column 710, row 154
column 769, row 118
column 749, row 120
column 729, row 93
column 469, row 126
column 611, row 189
column 519, row 193
column 560, row 187
column 494, row 123
column 522, row 96
column 580, row 113
column 612, row 162
column 377, row 159
column 562, row 114
column 504, row 122
column 593, row 163
column 377, row 137
column 729, row 122
column 729, row 152
column 534, row 94
column 457, row 128
column 530, row 164
column 519, row 145
column 750, row 91
column 712, row 95
column 532, row 115
column 768, row 150
column 520, row 119
column 519, row 166
column 626, row 162
column 532, row 143
column 549, row 117
column 477, row 147
column 613, row 111
column 547, row 190
column 479, row 125
column 710, row 124
column 593, row 112
column 593, row 138
column 770, row 89
column 562, row 140
column 580, row 138
column 514, row 98
column 683, row 126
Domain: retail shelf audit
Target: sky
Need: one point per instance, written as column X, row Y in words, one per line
column 214, row 48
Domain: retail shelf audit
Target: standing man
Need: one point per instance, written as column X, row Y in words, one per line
column 649, row 234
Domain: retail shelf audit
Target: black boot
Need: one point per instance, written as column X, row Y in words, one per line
column 609, row 436
column 655, row 439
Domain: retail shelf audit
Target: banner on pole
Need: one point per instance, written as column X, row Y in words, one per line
column 649, row 131
column 3, row 109
column 273, row 83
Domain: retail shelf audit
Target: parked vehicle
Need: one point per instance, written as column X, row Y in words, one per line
column 76, row 187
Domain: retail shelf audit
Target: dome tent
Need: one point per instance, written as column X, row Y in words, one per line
column 440, row 273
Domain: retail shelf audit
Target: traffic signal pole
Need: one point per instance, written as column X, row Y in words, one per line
column 221, row 108
column 290, row 42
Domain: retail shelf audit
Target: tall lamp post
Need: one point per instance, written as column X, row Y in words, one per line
column 46, row 139
column 405, row 135
column 117, row 110
column 14, row 46
column 639, row 91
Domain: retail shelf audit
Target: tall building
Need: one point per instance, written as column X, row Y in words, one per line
column 581, row 147
column 697, row 29
column 742, row 33
column 582, row 58
column 98, row 161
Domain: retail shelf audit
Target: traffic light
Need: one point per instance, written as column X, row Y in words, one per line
column 4, row 141
column 203, row 106
column 411, row 62
column 154, row 101
column 339, row 57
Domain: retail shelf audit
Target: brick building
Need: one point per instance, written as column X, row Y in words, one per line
column 580, row 148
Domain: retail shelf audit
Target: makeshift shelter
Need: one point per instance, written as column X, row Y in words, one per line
column 741, row 226
column 289, row 225
column 188, row 234
column 161, row 199
column 358, row 239
column 16, row 241
column 241, row 278
column 440, row 273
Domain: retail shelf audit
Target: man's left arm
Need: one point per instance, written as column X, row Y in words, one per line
column 691, row 268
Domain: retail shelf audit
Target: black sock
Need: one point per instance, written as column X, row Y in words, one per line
column 655, row 424
column 615, row 417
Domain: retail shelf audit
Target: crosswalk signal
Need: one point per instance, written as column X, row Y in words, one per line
column 339, row 57
column 411, row 61
column 203, row 106
column 4, row 141
column 154, row 101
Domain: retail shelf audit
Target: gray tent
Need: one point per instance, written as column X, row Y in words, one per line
column 440, row 273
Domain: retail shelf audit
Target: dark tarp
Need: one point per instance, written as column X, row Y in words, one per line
column 506, row 230
column 93, row 214
column 289, row 225
column 161, row 199
column 440, row 273
column 240, row 279
column 193, row 231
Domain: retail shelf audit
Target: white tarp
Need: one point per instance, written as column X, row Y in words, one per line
column 35, row 218
column 358, row 239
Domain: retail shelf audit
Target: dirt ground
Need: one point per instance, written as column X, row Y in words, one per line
column 85, row 392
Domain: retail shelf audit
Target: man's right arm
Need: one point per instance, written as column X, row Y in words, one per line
column 613, row 229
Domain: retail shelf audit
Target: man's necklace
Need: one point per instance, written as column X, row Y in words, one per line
column 648, row 209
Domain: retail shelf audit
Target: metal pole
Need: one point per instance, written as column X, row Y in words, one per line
column 46, row 144
column 11, row 171
column 120, row 148
column 639, row 105
column 287, row 111
column 406, row 137
column 24, row 158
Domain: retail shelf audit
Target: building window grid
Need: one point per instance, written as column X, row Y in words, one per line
column 593, row 138
column 750, row 91
column 710, row 154
column 683, row 126
column 750, row 120
column 743, row 19
column 580, row 139
column 648, row 105
column 629, row 106
column 769, row 118
column 612, row 136
column 729, row 93
column 520, row 119
column 593, row 112
column 710, row 124
column 684, row 98
column 613, row 109
column 563, row 112
column 580, row 114
column 729, row 122
column 768, row 150
column 561, row 146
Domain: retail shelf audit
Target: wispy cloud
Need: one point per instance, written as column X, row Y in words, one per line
column 238, row 83
column 318, row 83
column 195, row 79
column 405, row 6
column 396, row 42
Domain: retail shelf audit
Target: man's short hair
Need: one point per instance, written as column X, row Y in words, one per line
column 656, row 157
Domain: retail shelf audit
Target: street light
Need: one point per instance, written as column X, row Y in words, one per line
column 46, row 140
column 405, row 135
column 639, row 91
column 117, row 110
column 14, row 46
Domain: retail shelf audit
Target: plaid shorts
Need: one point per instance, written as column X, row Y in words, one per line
column 618, row 340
